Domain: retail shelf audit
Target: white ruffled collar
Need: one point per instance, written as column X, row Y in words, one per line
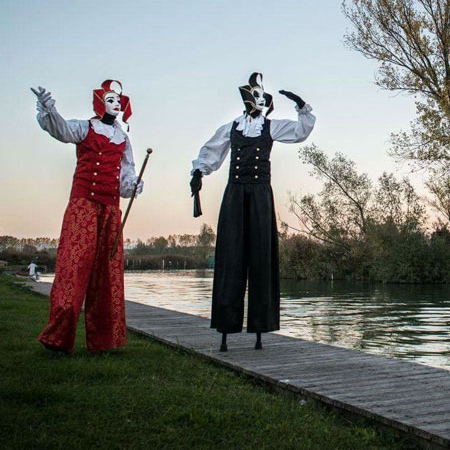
column 114, row 133
column 250, row 127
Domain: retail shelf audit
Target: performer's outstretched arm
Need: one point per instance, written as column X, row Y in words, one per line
column 128, row 177
column 214, row 152
column 68, row 131
column 290, row 131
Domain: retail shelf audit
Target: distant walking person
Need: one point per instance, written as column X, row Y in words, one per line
column 32, row 271
column 247, row 237
column 84, row 271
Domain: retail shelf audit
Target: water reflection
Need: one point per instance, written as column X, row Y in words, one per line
column 403, row 321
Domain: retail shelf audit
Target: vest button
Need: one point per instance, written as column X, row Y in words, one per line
column 95, row 173
column 238, row 158
column 256, row 167
column 97, row 163
column 258, row 149
column 118, row 167
column 237, row 176
column 256, row 157
column 256, row 176
column 238, row 149
column 93, row 184
column 115, row 197
column 92, row 193
column 117, row 177
column 100, row 153
column 237, row 167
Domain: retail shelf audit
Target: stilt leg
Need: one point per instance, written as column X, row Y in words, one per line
column 54, row 352
column 223, row 346
column 258, row 345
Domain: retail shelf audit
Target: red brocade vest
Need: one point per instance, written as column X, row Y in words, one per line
column 97, row 175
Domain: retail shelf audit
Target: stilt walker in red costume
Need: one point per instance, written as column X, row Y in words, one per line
column 84, row 272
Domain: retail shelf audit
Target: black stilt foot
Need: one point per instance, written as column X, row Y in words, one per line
column 54, row 352
column 223, row 345
column 258, row 345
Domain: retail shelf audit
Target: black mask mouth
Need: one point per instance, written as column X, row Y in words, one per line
column 248, row 95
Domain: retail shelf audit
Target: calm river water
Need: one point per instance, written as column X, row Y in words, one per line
column 403, row 321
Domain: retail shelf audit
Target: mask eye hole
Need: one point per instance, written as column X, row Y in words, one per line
column 256, row 94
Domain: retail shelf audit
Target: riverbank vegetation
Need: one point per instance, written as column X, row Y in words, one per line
column 174, row 252
column 146, row 396
column 185, row 251
column 355, row 228
column 379, row 230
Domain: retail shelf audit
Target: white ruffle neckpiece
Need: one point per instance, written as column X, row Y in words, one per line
column 250, row 127
column 115, row 133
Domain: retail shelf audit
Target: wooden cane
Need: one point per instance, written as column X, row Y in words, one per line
column 116, row 242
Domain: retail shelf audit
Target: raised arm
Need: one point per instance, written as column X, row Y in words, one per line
column 290, row 131
column 68, row 131
column 128, row 177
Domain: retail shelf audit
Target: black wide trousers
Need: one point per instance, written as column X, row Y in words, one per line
column 246, row 248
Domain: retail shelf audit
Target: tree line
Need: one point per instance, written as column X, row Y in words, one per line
column 355, row 228
column 175, row 252
column 184, row 251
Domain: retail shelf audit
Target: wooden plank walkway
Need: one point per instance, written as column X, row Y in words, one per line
column 407, row 396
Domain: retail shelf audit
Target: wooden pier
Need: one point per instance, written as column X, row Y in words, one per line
column 406, row 396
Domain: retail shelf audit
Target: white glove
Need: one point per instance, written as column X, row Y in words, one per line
column 139, row 188
column 44, row 99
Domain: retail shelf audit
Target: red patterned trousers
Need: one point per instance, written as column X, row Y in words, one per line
column 84, row 272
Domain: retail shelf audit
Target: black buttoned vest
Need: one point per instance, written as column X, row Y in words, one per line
column 250, row 156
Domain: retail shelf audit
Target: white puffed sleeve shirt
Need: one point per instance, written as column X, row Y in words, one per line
column 74, row 131
column 214, row 151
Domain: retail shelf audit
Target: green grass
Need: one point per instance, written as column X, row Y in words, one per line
column 146, row 396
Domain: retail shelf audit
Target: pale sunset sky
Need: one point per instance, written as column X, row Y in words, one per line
column 181, row 62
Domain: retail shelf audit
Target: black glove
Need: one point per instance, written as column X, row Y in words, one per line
column 197, row 205
column 196, row 182
column 294, row 98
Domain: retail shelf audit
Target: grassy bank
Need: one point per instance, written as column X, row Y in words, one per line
column 145, row 397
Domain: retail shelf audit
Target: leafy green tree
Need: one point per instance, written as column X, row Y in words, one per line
column 160, row 243
column 172, row 240
column 341, row 210
column 206, row 236
column 411, row 41
column 187, row 240
column 365, row 229
column 439, row 187
column 397, row 203
column 8, row 242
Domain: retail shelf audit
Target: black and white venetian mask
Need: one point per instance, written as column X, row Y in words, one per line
column 254, row 97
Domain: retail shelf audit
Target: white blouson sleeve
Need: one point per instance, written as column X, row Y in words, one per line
column 128, row 175
column 68, row 131
column 214, row 152
column 291, row 131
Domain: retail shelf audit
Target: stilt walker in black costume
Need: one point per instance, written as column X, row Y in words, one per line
column 247, row 236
